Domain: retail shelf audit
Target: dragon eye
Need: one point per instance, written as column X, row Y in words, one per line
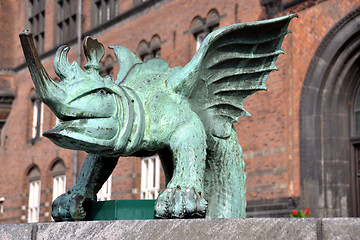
column 102, row 91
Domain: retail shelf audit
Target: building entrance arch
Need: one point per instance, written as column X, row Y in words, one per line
column 327, row 140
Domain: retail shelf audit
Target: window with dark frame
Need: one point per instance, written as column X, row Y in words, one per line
column 289, row 3
column 356, row 146
column 273, row 7
column 65, row 20
column 201, row 27
column 356, row 131
column 36, row 22
column 6, row 100
column 2, row 123
column 138, row 2
column 103, row 11
column 2, row 199
column 150, row 50
column 37, row 117
column 107, row 67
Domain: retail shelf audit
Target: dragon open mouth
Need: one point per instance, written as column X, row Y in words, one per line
column 85, row 134
column 71, row 118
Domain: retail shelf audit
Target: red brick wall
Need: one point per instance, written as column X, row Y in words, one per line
column 270, row 137
column 8, row 16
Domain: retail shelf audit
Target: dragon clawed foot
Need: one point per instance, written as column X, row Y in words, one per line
column 69, row 207
column 180, row 203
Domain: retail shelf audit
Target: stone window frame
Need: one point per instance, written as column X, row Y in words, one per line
column 37, row 117
column 103, row 11
column 35, row 21
column 34, row 176
column 150, row 50
column 65, row 17
column 150, row 177
column 201, row 27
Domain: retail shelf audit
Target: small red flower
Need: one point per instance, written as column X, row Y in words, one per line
column 294, row 212
column 307, row 211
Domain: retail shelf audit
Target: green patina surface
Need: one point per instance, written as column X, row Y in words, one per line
column 184, row 114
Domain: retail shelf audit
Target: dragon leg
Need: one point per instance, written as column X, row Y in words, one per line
column 183, row 196
column 93, row 174
column 225, row 178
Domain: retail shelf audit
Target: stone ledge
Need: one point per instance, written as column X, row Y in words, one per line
column 250, row 228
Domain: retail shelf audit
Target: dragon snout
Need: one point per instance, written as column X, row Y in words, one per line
column 90, row 135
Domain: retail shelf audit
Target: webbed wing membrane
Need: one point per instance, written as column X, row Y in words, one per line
column 232, row 63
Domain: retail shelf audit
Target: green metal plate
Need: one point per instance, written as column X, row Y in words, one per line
column 122, row 210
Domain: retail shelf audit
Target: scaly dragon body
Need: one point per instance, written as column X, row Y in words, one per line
column 185, row 115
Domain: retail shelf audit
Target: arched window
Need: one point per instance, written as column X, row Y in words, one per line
column 201, row 27
column 150, row 50
column 59, row 178
column 37, row 116
column 34, row 194
column 155, row 46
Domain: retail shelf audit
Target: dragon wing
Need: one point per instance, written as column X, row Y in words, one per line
column 232, row 63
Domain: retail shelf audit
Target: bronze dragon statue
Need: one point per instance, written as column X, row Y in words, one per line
column 184, row 114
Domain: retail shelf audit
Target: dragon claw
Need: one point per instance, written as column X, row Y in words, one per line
column 59, row 209
column 180, row 202
column 77, row 210
column 69, row 207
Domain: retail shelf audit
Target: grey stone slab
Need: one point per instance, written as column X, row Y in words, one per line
column 256, row 228
column 16, row 231
column 340, row 228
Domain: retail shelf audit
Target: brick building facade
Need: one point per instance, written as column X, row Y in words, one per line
column 300, row 144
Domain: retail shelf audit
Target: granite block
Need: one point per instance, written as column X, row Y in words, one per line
column 256, row 228
column 340, row 228
column 17, row 231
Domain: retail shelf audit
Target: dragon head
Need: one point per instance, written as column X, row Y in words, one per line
column 83, row 100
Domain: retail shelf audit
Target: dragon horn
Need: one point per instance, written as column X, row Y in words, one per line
column 94, row 52
column 61, row 61
column 45, row 86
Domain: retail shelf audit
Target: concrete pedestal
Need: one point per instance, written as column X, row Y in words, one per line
column 255, row 228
